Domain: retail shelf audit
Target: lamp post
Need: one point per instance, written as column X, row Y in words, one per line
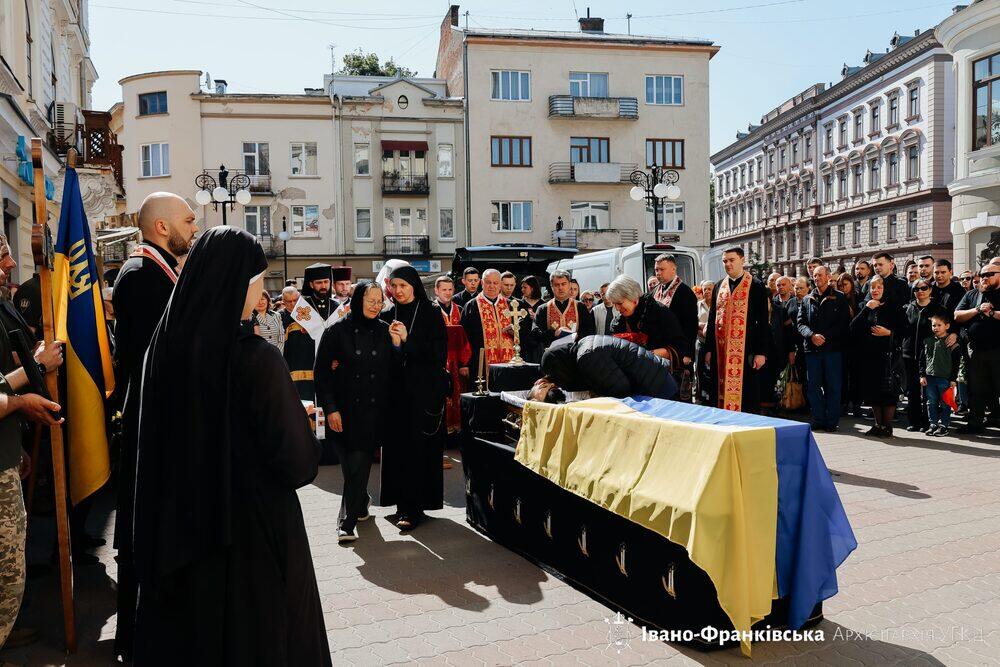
column 284, row 236
column 225, row 192
column 654, row 187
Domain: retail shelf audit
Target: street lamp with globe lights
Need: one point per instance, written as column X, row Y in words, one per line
column 654, row 187
column 226, row 192
column 283, row 235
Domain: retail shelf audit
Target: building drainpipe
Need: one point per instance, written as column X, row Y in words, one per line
column 468, row 165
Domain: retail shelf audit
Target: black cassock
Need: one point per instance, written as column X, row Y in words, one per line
column 300, row 356
column 544, row 336
column 140, row 296
column 412, row 476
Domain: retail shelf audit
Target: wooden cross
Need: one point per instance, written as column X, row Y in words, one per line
column 516, row 314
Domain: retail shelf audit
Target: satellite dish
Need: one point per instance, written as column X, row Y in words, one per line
column 208, row 80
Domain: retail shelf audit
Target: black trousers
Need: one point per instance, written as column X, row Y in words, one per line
column 983, row 375
column 916, row 409
column 356, row 465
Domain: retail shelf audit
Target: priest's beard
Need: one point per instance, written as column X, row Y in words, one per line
column 176, row 244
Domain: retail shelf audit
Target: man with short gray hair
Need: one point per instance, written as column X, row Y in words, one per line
column 487, row 324
column 562, row 315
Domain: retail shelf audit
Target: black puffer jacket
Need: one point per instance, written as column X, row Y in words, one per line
column 609, row 366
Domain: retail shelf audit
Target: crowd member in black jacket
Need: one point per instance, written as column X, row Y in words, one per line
column 946, row 290
column 354, row 365
column 917, row 315
column 673, row 293
column 981, row 316
column 877, row 331
column 823, row 321
column 608, row 366
column 896, row 290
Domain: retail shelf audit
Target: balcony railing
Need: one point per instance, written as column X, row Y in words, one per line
column 567, row 106
column 272, row 245
column 595, row 239
column 395, row 246
column 395, row 184
column 260, row 182
column 97, row 144
column 590, row 172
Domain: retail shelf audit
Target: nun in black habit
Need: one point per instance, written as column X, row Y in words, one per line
column 225, row 574
column 412, row 477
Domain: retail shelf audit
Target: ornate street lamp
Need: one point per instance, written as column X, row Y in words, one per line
column 225, row 192
column 284, row 236
column 655, row 186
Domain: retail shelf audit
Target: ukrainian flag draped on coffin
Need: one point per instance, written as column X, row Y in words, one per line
column 79, row 321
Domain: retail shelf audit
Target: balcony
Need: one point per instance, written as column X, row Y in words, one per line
column 393, row 183
column 567, row 106
column 97, row 145
column 590, row 172
column 403, row 246
column 260, row 182
column 594, row 239
column 272, row 245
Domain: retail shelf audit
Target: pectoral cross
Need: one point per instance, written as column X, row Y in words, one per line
column 516, row 314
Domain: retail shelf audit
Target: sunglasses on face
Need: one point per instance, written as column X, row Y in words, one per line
column 987, row 275
column 921, row 289
column 965, row 279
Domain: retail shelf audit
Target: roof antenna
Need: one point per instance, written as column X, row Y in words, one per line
column 576, row 13
column 333, row 58
column 466, row 20
column 628, row 22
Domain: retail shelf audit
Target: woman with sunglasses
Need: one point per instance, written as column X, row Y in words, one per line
column 876, row 332
column 918, row 327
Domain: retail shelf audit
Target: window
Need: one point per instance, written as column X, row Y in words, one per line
column 590, row 214
column 664, row 90
column 913, row 163
column 588, row 84
column 155, row 160
column 843, row 134
column 829, row 138
column 827, row 189
column 305, row 221
column 760, row 168
column 303, row 158
column 750, row 172
column 808, row 152
column 986, row 102
column 770, row 163
column 255, row 158
column 856, row 234
column 859, row 179
column 893, row 160
column 512, row 216
column 446, row 160
column 671, row 217
column 893, row 111
column 859, row 126
column 362, row 163
column 873, row 231
column 668, row 153
column 875, row 179
column 257, row 220
column 588, row 149
column 743, row 177
column 27, row 49
column 827, row 238
column 153, row 103
column 841, row 233
column 876, row 118
column 842, row 183
column 781, row 159
column 911, row 224
column 914, row 102
column 727, row 183
column 510, row 151
column 446, row 224
column 892, row 227
column 511, row 85
column 363, row 224
column 795, row 153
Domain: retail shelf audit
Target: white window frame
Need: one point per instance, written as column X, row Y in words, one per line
column 582, row 212
column 256, row 153
column 892, row 228
column 912, row 163
column 262, row 220
column 303, row 160
column 669, row 213
column 912, row 223
column 449, row 150
column 496, row 85
column 371, row 231
column 146, row 158
column 368, row 159
column 509, row 206
column 584, row 84
column 441, row 217
column 299, row 215
column 654, row 79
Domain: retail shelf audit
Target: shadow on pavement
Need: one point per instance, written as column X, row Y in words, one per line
column 901, row 489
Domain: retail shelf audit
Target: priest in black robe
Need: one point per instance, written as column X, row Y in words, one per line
column 412, row 476
column 317, row 283
column 341, row 276
column 738, row 318
column 140, row 297
column 225, row 571
column 562, row 315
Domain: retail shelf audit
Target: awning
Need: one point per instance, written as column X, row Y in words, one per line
column 404, row 145
column 116, row 235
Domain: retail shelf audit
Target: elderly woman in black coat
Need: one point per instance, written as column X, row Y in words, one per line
column 877, row 331
column 356, row 358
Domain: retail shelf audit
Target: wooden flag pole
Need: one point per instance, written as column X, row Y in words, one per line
column 41, row 246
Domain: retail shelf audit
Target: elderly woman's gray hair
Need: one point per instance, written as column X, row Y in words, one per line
column 623, row 288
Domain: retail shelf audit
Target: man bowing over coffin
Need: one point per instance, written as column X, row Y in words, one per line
column 304, row 326
column 738, row 336
column 486, row 323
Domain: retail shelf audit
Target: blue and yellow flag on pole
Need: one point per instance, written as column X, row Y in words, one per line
column 79, row 320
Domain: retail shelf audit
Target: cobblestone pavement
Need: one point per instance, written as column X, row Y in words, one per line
column 923, row 586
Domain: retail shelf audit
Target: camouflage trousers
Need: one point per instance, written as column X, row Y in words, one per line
column 12, row 536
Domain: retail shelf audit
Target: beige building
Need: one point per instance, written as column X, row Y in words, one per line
column 557, row 121
column 972, row 36
column 45, row 81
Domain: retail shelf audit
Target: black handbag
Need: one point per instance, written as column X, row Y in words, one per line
column 894, row 380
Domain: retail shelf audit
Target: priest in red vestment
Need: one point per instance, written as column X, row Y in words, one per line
column 486, row 323
column 459, row 352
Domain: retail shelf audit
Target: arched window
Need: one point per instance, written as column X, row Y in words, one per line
column 27, row 46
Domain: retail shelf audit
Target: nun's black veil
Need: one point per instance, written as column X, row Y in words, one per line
column 184, row 476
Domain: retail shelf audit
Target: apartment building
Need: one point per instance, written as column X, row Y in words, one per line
column 557, row 121
column 972, row 36
column 844, row 170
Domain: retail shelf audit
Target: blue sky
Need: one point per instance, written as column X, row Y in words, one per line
column 771, row 49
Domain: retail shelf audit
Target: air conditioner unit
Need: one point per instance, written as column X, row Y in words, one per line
column 66, row 118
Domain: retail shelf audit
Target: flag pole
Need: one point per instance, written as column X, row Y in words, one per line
column 41, row 246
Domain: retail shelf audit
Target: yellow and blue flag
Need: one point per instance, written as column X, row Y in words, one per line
column 79, row 320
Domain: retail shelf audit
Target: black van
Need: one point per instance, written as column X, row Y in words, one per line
column 521, row 259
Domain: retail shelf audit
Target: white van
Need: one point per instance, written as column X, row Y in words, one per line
column 594, row 269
